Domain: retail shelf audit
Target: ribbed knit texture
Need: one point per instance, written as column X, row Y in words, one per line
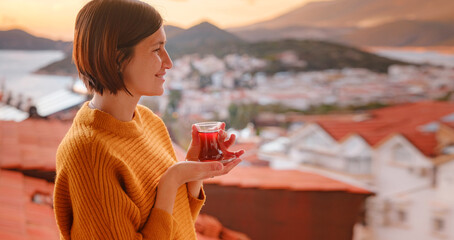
column 107, row 177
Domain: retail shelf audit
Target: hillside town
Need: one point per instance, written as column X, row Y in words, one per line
column 238, row 79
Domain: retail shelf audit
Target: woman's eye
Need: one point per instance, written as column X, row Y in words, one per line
column 157, row 50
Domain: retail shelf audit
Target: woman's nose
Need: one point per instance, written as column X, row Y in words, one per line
column 167, row 63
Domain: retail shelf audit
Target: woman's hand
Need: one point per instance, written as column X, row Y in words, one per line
column 190, row 171
column 194, row 150
column 225, row 141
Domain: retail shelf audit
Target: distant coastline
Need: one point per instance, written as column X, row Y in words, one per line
column 434, row 55
column 63, row 67
column 439, row 49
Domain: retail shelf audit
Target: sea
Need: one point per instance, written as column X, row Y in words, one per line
column 16, row 73
column 418, row 56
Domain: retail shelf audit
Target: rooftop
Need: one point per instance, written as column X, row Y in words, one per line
column 10, row 113
column 210, row 228
column 410, row 120
column 31, row 144
column 45, row 106
column 25, row 207
column 26, row 212
column 293, row 180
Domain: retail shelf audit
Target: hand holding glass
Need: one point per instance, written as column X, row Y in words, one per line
column 211, row 149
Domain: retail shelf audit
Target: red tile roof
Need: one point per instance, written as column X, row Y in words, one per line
column 209, row 228
column 450, row 124
column 294, row 180
column 31, row 144
column 403, row 119
column 20, row 217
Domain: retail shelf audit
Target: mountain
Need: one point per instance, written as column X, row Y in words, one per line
column 172, row 30
column 67, row 67
column 404, row 33
column 20, row 40
column 292, row 32
column 359, row 13
column 361, row 22
column 448, row 42
column 317, row 55
column 63, row 67
column 201, row 36
column 206, row 38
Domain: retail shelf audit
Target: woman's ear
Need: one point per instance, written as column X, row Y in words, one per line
column 123, row 56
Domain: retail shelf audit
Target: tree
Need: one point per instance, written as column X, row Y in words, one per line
column 241, row 114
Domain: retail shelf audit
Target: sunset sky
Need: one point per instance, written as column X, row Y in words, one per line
column 55, row 18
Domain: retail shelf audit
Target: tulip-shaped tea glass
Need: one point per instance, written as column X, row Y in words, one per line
column 209, row 140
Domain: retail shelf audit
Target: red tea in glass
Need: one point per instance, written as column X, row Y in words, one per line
column 210, row 149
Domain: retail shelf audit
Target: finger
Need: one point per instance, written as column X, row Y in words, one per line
column 226, row 140
column 213, row 169
column 209, row 166
column 204, row 169
column 232, row 162
column 230, row 141
column 231, row 165
column 213, row 166
column 239, row 153
column 223, row 126
column 195, row 136
column 223, row 134
column 222, row 137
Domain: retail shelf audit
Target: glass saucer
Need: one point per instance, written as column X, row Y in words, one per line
column 228, row 158
column 224, row 159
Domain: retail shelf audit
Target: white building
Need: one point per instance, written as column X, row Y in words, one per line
column 406, row 158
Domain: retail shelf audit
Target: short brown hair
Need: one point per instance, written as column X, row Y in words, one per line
column 106, row 32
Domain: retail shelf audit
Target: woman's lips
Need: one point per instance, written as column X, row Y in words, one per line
column 160, row 75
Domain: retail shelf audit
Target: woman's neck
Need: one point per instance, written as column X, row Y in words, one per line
column 121, row 106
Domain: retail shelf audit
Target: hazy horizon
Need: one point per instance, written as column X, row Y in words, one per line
column 55, row 19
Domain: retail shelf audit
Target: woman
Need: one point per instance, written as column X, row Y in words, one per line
column 117, row 174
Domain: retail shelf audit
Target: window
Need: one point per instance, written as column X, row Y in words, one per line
column 359, row 164
column 385, row 213
column 42, row 199
column 401, row 216
column 424, row 172
column 400, row 154
column 438, row 224
column 315, row 140
column 448, row 149
column 430, row 127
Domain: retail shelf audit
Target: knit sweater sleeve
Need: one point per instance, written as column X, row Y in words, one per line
column 196, row 203
column 99, row 205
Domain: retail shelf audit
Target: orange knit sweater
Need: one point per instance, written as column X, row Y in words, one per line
column 107, row 175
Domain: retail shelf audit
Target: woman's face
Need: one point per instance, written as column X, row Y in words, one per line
column 144, row 74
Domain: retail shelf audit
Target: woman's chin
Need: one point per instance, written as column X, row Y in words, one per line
column 154, row 92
